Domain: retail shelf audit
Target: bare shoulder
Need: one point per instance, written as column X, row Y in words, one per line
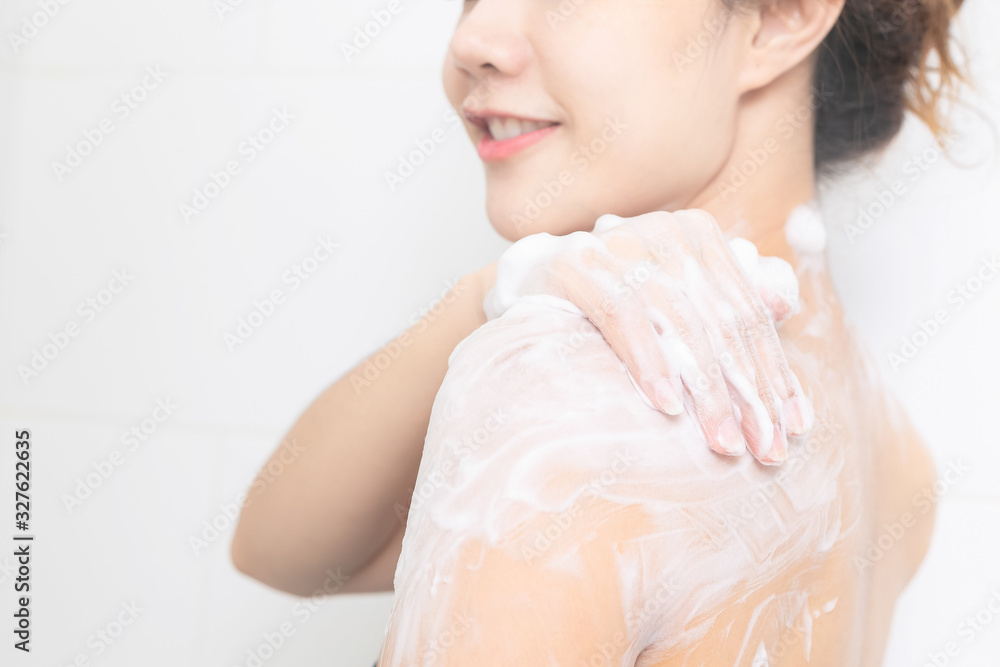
column 546, row 479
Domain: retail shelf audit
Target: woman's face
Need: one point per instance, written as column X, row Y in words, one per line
column 633, row 104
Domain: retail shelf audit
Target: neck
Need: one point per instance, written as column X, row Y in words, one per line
column 770, row 169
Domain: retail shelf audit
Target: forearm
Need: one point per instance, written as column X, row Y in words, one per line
column 341, row 501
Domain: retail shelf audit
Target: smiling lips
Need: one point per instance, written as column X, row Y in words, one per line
column 506, row 135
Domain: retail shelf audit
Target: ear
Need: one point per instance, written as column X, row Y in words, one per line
column 784, row 33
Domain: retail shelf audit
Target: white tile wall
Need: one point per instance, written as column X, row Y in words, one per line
column 162, row 336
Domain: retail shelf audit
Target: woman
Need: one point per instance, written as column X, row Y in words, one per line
column 725, row 107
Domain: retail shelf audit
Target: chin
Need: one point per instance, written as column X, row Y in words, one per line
column 514, row 222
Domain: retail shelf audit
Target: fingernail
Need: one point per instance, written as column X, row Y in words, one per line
column 779, row 446
column 793, row 416
column 781, row 310
column 667, row 398
column 731, row 437
column 798, row 415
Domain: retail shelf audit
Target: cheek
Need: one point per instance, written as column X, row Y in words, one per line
column 639, row 71
column 655, row 149
column 658, row 128
column 684, row 136
column 455, row 86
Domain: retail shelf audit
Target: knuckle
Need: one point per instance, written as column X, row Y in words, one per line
column 699, row 220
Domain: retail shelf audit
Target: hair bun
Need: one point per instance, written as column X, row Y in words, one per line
column 877, row 63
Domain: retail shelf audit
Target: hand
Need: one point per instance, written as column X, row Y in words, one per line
column 690, row 316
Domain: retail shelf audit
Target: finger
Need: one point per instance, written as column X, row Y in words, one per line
column 795, row 406
column 799, row 412
column 661, row 237
column 664, row 241
column 753, row 395
column 620, row 315
column 774, row 380
column 741, row 376
column 769, row 356
column 671, row 232
column 667, row 243
column 687, row 346
column 778, row 287
column 777, row 451
column 628, row 259
column 773, row 278
column 750, row 390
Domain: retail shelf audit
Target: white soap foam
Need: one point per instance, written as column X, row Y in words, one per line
column 805, row 231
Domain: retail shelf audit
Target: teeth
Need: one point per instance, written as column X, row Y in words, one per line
column 512, row 127
column 508, row 128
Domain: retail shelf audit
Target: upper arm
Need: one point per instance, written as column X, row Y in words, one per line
column 376, row 575
column 515, row 551
column 548, row 592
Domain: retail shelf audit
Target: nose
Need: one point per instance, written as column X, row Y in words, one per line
column 490, row 41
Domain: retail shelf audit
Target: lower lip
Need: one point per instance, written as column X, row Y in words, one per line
column 491, row 150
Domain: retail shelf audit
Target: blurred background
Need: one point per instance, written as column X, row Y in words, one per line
column 165, row 168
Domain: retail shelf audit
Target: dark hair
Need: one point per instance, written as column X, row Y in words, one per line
column 881, row 59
